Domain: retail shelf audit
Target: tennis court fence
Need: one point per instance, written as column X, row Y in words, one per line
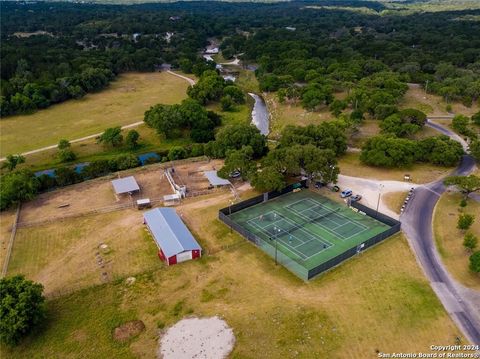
column 291, row 264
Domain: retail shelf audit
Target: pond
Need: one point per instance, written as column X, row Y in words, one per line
column 260, row 114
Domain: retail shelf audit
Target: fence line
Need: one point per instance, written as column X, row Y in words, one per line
column 10, row 243
column 290, row 263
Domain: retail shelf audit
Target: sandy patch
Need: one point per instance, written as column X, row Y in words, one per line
column 207, row 338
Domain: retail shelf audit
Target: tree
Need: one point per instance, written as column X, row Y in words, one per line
column 440, row 150
column 112, row 136
column 476, row 118
column 383, row 151
column 395, row 125
column 13, row 161
column 475, row 149
column 465, row 220
column 66, row 176
column 460, row 124
column 475, row 262
column 227, row 103
column 176, row 153
column 22, row 308
column 16, row 187
column 131, row 140
column 63, row 144
column 238, row 160
column 234, row 137
column 66, row 155
column 268, row 179
column 466, row 184
column 470, row 241
column 337, row 106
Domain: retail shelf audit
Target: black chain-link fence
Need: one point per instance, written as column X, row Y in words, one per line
column 288, row 262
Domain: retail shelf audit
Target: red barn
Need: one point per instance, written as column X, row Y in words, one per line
column 175, row 242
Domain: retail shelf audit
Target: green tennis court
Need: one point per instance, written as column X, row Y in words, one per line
column 305, row 230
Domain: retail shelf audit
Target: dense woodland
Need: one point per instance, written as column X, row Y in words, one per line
column 52, row 52
column 323, row 50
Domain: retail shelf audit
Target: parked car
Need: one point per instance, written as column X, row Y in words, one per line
column 235, row 174
column 335, row 188
column 356, row 198
column 346, row 193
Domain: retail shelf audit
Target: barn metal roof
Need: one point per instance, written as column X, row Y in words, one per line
column 170, row 233
column 215, row 180
column 125, row 185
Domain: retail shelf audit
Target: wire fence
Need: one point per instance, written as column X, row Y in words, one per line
column 288, row 262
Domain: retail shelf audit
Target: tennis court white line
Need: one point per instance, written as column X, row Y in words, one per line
column 289, row 247
column 299, row 213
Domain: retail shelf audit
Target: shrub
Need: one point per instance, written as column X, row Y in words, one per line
column 465, row 220
column 177, row 153
column 470, row 241
column 475, row 262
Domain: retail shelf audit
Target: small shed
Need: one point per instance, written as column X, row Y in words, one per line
column 144, row 203
column 171, row 199
column 216, row 181
column 174, row 241
column 125, row 185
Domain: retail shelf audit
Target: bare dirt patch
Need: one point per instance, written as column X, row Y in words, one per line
column 98, row 194
column 128, row 330
column 208, row 338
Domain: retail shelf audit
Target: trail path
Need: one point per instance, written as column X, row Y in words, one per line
column 135, row 124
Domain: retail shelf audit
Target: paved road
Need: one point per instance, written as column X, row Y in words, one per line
column 461, row 303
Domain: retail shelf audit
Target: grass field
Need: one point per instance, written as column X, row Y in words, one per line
column 432, row 104
column 395, row 200
column 340, row 315
column 90, row 150
column 351, row 165
column 122, row 103
column 307, row 228
column 283, row 114
column 64, row 255
column 449, row 239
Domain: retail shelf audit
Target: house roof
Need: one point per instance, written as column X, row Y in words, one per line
column 170, row 233
column 215, row 180
column 125, row 185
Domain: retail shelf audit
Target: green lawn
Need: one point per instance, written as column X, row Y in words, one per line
column 342, row 314
column 123, row 102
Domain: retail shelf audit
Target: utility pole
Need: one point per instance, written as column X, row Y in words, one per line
column 379, row 195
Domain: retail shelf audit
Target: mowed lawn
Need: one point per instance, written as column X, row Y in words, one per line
column 123, row 102
column 449, row 239
column 378, row 301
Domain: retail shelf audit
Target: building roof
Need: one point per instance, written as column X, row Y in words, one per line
column 215, row 180
column 170, row 233
column 171, row 197
column 125, row 185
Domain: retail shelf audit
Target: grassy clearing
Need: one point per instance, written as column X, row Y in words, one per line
column 433, row 105
column 449, row 239
column 90, row 150
column 283, row 114
column 122, row 103
column 64, row 255
column 341, row 314
column 395, row 200
column 248, row 81
column 350, row 165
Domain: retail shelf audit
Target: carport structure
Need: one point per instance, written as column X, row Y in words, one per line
column 216, row 181
column 125, row 185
